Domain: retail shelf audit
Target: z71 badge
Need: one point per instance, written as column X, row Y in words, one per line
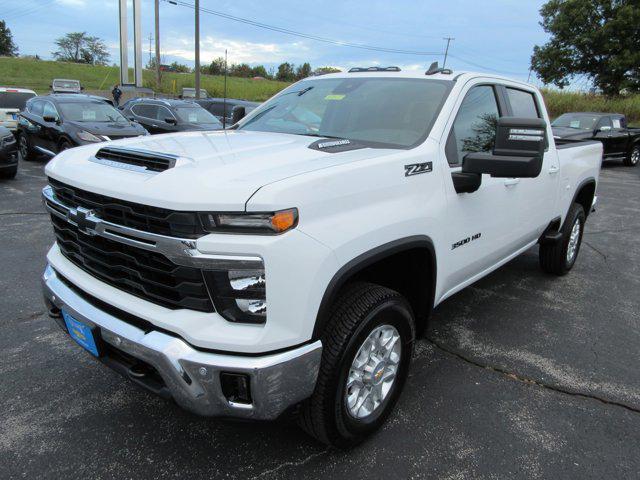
column 417, row 168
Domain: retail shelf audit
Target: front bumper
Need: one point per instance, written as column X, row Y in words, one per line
column 188, row 375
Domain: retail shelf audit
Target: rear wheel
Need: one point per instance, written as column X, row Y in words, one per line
column 367, row 348
column 634, row 157
column 64, row 145
column 24, row 149
column 558, row 258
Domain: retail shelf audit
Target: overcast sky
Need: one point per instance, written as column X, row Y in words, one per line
column 490, row 35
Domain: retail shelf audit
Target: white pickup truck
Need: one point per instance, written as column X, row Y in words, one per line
column 288, row 264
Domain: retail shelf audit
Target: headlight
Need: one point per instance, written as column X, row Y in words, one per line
column 266, row 223
column 88, row 137
column 239, row 295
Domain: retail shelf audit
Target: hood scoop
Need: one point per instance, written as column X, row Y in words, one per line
column 135, row 160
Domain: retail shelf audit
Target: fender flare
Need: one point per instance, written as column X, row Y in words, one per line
column 584, row 183
column 363, row 261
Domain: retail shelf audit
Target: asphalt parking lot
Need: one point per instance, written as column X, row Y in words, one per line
column 522, row 375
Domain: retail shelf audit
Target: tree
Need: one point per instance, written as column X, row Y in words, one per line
column 178, row 67
column 259, row 71
column 599, row 39
column 78, row 47
column 7, row 47
column 303, row 71
column 286, row 72
column 216, row 67
column 241, row 70
column 325, row 70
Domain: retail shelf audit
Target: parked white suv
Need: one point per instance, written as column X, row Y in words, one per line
column 12, row 102
column 291, row 262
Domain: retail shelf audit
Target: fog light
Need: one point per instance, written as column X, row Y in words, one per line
column 236, row 387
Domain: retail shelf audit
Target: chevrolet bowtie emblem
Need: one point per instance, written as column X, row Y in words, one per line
column 80, row 217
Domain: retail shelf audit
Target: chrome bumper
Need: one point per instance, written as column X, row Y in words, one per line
column 192, row 377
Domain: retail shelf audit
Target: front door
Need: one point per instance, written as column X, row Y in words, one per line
column 480, row 230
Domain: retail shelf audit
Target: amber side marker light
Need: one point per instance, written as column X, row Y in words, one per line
column 284, row 220
column 249, row 222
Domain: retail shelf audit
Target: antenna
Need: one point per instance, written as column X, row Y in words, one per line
column 446, row 53
column 224, row 100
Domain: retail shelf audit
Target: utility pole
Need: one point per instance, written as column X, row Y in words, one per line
column 446, row 53
column 158, row 79
column 197, row 5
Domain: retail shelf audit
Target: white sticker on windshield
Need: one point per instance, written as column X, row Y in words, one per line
column 575, row 124
column 617, row 123
column 88, row 115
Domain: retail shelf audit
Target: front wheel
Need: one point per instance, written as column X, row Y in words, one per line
column 367, row 348
column 558, row 258
column 634, row 157
column 25, row 150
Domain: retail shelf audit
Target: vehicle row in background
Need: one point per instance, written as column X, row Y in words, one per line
column 165, row 116
column 223, row 108
column 12, row 102
column 63, row 85
column 619, row 141
column 52, row 123
column 8, row 154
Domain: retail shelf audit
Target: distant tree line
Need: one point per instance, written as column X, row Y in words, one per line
column 7, row 47
column 286, row 72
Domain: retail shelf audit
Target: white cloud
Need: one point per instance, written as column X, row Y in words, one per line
column 72, row 3
column 239, row 51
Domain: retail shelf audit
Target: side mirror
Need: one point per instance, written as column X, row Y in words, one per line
column 518, row 151
column 81, row 89
column 50, row 119
column 237, row 114
column 606, row 128
column 170, row 121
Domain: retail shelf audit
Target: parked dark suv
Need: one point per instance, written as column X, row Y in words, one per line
column 165, row 116
column 8, row 154
column 217, row 107
column 56, row 122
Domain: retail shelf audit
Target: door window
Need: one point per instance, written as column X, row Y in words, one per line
column 523, row 104
column 163, row 113
column 605, row 122
column 617, row 123
column 49, row 110
column 37, row 107
column 474, row 129
column 145, row 110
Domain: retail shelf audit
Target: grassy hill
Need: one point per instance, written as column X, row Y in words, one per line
column 37, row 75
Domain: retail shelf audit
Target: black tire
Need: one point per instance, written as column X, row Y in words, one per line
column 633, row 158
column 554, row 257
column 64, row 145
column 25, row 150
column 9, row 173
column 360, row 309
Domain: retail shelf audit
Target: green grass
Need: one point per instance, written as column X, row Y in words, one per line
column 37, row 75
column 561, row 102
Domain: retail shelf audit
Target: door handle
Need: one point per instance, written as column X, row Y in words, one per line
column 553, row 169
column 511, row 181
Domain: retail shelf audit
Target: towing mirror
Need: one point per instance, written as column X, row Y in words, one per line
column 170, row 121
column 237, row 114
column 518, row 151
column 50, row 119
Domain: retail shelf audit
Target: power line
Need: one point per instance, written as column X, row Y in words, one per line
column 29, row 11
column 303, row 35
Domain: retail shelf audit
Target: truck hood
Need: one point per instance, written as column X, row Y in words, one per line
column 571, row 133
column 215, row 170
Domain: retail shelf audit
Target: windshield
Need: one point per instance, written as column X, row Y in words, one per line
column 91, row 112
column 579, row 121
column 14, row 99
column 66, row 84
column 390, row 112
column 195, row 115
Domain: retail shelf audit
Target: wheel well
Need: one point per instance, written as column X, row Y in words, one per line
column 585, row 196
column 410, row 271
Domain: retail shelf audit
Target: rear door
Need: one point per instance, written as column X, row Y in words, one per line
column 35, row 127
column 146, row 114
column 537, row 197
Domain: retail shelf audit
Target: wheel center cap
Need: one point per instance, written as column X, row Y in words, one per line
column 378, row 373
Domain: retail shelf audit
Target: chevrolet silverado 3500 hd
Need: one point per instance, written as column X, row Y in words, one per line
column 289, row 263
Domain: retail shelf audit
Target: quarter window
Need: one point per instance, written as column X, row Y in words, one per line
column 49, row 110
column 146, row 111
column 474, row 129
column 36, row 107
column 164, row 113
column 523, row 104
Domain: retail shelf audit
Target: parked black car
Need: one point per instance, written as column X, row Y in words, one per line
column 56, row 122
column 8, row 154
column 619, row 141
column 216, row 106
column 165, row 116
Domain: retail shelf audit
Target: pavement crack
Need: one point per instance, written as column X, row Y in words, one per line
column 595, row 250
column 291, row 464
column 527, row 380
